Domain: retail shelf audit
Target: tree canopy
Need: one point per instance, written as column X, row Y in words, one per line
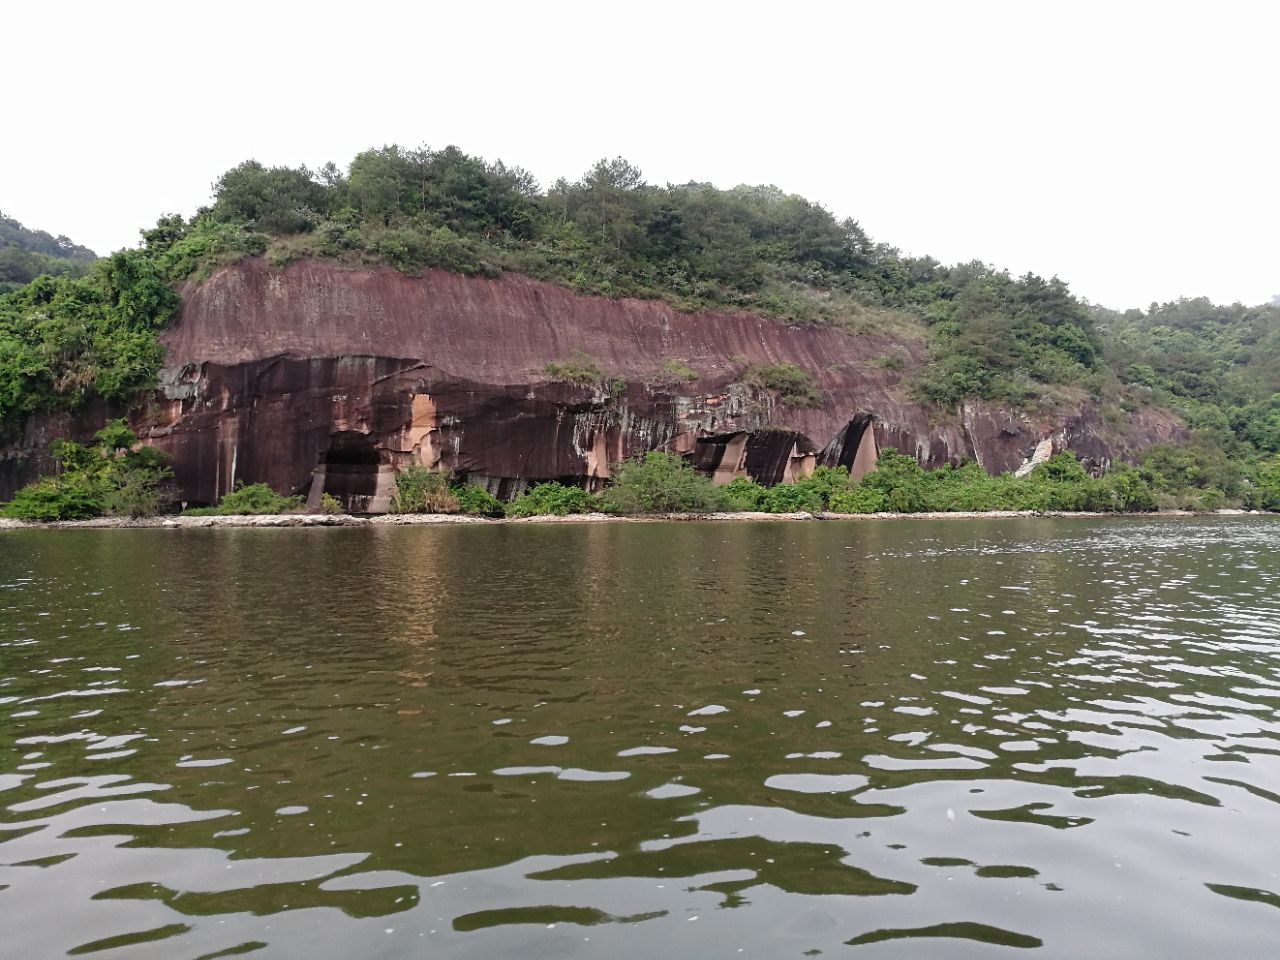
column 26, row 254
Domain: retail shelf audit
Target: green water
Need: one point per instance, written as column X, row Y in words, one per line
column 907, row 739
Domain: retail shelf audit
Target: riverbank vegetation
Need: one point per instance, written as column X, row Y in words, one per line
column 661, row 483
column 419, row 490
column 247, row 500
column 111, row 477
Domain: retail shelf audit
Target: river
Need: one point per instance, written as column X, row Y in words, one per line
column 901, row 739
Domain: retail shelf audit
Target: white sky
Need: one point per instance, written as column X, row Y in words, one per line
column 1130, row 148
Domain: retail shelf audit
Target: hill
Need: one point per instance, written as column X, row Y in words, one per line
column 1000, row 362
column 26, row 254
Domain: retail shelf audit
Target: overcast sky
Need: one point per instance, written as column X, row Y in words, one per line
column 1130, row 148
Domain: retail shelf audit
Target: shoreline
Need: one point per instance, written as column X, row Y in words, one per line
column 296, row 520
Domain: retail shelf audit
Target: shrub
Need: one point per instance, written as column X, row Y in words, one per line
column 900, row 481
column 138, row 492
column 421, row 490
column 581, row 370
column 109, row 478
column 204, row 247
column 892, row 361
column 65, row 497
column 1127, row 491
column 671, row 374
column 1268, row 485
column 795, row 387
column 1062, row 484
column 553, row 499
column 792, row 498
column 477, row 501
column 859, row 499
column 251, row 500
column 742, row 494
column 825, row 482
column 660, row 483
column 331, row 504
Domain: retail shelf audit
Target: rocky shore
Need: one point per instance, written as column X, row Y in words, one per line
column 437, row 519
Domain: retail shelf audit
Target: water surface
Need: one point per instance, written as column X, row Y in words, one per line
column 903, row 739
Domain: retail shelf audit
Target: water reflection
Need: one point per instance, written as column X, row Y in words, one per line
column 628, row 741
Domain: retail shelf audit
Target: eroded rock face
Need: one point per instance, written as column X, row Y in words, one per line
column 316, row 375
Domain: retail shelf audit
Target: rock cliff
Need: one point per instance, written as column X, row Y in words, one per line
column 319, row 377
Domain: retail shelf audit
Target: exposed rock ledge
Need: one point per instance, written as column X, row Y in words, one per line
column 317, row 378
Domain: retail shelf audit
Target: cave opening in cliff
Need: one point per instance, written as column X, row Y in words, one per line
column 350, row 469
column 351, row 449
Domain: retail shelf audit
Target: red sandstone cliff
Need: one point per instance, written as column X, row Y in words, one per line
column 315, row 370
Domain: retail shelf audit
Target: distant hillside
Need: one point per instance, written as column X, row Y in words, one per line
column 26, row 254
column 1218, row 365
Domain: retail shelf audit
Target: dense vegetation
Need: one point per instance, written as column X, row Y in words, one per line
column 112, row 479
column 247, row 500
column 419, row 490
column 109, row 478
column 1219, row 366
column 63, row 339
column 660, row 483
column 26, row 254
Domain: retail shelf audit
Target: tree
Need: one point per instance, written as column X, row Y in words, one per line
column 110, row 477
column 274, row 199
column 610, row 204
column 1268, row 479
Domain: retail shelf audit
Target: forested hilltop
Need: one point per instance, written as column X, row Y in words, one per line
column 26, row 254
column 1025, row 341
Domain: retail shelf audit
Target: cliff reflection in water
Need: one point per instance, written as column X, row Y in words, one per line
column 641, row 740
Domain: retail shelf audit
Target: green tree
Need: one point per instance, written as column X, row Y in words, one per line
column 109, row 478
column 1268, row 479
column 553, row 499
column 659, row 483
column 273, row 199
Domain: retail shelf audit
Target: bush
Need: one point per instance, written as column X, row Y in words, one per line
column 825, row 482
column 672, row 374
column 1268, row 485
column 900, row 481
column 794, row 386
column 477, row 501
column 245, row 501
column 110, row 478
column 582, row 370
column 859, row 499
column 330, row 504
column 421, row 490
column 660, row 483
column 792, row 498
column 65, row 339
column 1125, row 490
column 742, row 494
column 139, row 492
column 1196, row 476
column 65, row 497
column 553, row 499
column 203, row 247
